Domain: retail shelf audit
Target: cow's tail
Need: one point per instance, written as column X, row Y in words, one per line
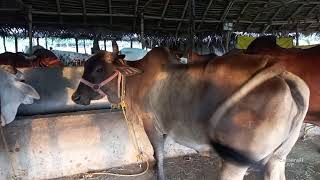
column 224, row 151
column 300, row 93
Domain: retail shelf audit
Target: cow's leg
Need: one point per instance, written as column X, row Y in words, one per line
column 275, row 167
column 231, row 171
column 157, row 140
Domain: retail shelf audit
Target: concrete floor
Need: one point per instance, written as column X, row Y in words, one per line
column 303, row 163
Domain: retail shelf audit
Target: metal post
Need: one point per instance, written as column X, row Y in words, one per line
column 4, row 43
column 142, row 32
column 191, row 28
column 84, row 46
column 46, row 39
column 16, row 43
column 30, row 29
column 105, row 45
column 77, row 48
column 131, row 44
column 228, row 35
column 37, row 41
column 297, row 36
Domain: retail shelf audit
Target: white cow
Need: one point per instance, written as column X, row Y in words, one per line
column 12, row 94
column 133, row 54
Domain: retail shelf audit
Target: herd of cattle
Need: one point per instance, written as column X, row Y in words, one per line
column 247, row 105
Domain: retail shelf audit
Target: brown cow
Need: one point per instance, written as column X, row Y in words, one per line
column 304, row 63
column 249, row 110
column 42, row 58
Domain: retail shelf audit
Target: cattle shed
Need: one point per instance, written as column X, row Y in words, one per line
column 56, row 139
column 157, row 21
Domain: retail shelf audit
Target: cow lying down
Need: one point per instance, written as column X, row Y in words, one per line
column 13, row 93
column 248, row 110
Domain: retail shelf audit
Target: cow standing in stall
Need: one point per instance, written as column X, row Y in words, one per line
column 304, row 63
column 250, row 111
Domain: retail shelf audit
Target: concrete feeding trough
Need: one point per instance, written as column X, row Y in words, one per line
column 54, row 137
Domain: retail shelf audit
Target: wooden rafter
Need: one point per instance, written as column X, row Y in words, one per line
column 258, row 15
column 272, row 18
column 182, row 16
column 293, row 14
column 226, row 10
column 110, row 10
column 278, row 22
column 163, row 12
column 205, row 13
column 84, row 11
column 135, row 14
column 147, row 4
column 59, row 10
column 309, row 14
column 21, row 3
column 241, row 14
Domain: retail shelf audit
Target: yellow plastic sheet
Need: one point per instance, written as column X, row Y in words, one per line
column 244, row 41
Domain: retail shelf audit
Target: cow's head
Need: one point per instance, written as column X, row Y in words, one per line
column 97, row 69
column 12, row 70
column 12, row 94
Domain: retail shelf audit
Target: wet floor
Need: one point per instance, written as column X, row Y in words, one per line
column 303, row 163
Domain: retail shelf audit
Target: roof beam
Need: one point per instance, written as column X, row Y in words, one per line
column 311, row 10
column 84, row 11
column 294, row 14
column 258, row 15
column 135, row 14
column 110, row 10
column 21, row 4
column 241, row 13
column 309, row 14
column 205, row 13
column 163, row 12
column 147, row 4
column 306, row 21
column 273, row 16
column 59, row 10
column 226, row 10
column 182, row 17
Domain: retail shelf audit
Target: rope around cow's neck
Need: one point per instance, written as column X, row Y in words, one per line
column 132, row 134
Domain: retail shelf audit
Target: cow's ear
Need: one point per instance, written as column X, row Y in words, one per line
column 128, row 71
column 28, row 91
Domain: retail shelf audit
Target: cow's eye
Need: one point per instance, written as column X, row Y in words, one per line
column 99, row 70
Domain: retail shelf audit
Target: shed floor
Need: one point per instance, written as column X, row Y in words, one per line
column 303, row 163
